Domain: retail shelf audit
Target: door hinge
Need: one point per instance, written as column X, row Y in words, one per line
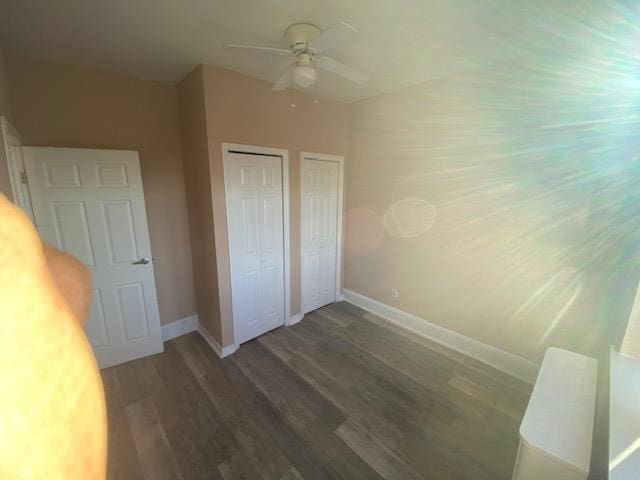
column 23, row 178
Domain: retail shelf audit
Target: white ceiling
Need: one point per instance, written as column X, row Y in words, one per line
column 401, row 42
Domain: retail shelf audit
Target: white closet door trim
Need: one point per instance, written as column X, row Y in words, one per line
column 340, row 160
column 227, row 149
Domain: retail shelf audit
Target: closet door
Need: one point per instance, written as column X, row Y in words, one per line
column 319, row 222
column 256, row 246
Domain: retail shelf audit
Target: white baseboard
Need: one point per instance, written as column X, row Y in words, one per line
column 179, row 327
column 295, row 319
column 507, row 362
column 215, row 346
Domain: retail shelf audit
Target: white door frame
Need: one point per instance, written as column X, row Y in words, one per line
column 19, row 189
column 340, row 161
column 227, row 150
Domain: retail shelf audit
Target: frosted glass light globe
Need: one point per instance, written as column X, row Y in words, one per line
column 304, row 75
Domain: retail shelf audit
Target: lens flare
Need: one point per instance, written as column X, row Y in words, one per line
column 409, row 217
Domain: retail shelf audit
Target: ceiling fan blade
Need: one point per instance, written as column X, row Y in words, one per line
column 280, row 51
column 337, row 35
column 343, row 70
column 285, row 80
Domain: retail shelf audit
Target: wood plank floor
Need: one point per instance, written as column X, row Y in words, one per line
column 341, row 395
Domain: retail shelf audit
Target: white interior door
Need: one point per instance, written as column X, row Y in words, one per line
column 90, row 204
column 319, row 226
column 256, row 245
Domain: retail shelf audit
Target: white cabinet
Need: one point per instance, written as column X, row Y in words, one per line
column 557, row 428
column 624, row 418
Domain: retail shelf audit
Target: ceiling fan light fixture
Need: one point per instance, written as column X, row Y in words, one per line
column 304, row 75
column 306, row 43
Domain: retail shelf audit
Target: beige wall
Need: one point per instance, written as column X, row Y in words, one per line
column 483, row 200
column 69, row 106
column 197, row 177
column 243, row 110
column 5, row 109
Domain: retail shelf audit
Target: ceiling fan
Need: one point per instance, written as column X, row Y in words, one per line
column 306, row 43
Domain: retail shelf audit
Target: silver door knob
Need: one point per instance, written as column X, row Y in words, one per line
column 142, row 261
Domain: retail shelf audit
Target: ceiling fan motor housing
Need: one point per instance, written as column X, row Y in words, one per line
column 304, row 59
column 300, row 34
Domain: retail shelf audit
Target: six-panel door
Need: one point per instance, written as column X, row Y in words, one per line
column 256, row 242
column 90, row 203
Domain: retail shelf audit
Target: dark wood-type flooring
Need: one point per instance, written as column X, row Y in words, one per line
column 341, row 395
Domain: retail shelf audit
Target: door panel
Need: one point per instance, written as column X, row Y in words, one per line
column 96, row 326
column 256, row 243
column 132, row 312
column 268, row 221
column 319, row 202
column 90, row 204
column 250, row 225
column 117, row 220
column 72, row 230
column 312, row 276
column 272, row 242
column 112, row 176
column 328, row 275
column 250, row 292
column 61, row 175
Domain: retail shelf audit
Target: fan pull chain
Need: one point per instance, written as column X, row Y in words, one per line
column 293, row 93
column 316, row 100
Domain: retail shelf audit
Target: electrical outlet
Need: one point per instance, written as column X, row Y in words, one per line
column 394, row 293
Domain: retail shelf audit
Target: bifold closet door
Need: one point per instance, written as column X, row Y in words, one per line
column 319, row 218
column 256, row 243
